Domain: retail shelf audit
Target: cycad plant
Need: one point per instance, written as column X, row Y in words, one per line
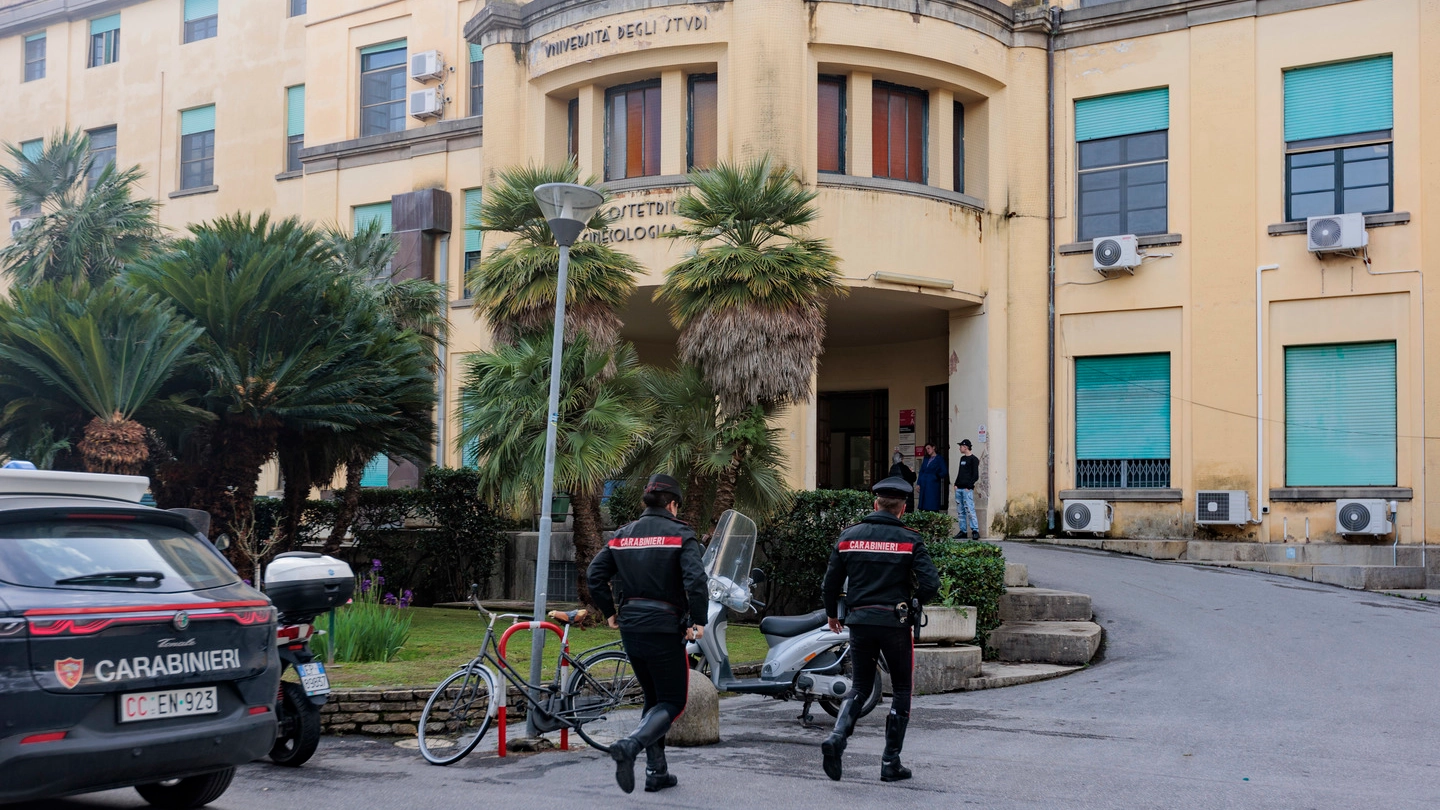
column 603, row 418
column 105, row 352
column 514, row 286
column 749, row 299
column 82, row 232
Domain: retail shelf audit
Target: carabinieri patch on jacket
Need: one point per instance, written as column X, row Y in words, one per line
column 646, row 542
column 882, row 546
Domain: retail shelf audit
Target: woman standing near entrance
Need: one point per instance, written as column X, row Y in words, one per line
column 933, row 479
column 899, row 469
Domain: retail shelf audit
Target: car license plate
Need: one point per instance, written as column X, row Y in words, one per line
column 166, row 703
column 314, row 679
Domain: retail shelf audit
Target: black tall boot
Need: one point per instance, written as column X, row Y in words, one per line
column 890, row 768
column 657, row 773
column 651, row 730
column 834, row 746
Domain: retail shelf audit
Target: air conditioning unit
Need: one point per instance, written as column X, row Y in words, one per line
column 1362, row 516
column 426, row 65
column 1339, row 232
column 1222, row 507
column 18, row 224
column 1116, row 253
column 1087, row 516
column 427, row 103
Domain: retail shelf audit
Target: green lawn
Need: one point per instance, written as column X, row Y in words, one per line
column 442, row 639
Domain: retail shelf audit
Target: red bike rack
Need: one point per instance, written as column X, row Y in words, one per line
column 504, row 685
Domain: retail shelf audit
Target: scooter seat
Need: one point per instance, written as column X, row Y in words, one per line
column 787, row 626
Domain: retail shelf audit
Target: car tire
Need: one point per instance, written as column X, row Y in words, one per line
column 299, row 729
column 187, row 793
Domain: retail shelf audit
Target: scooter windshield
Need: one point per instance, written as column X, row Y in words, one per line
column 727, row 560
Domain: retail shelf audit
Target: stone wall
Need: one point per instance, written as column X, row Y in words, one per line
column 387, row 711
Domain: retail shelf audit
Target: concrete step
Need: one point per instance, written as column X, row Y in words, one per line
column 1154, row 549
column 945, row 669
column 1044, row 605
column 997, row 674
column 1370, row 577
column 1303, row 553
column 1016, row 575
column 1047, row 642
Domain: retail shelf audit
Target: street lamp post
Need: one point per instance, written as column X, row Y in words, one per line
column 567, row 208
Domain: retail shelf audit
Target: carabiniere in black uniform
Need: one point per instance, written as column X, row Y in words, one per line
column 656, row 562
column 880, row 557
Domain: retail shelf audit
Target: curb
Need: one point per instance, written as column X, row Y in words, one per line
column 998, row 674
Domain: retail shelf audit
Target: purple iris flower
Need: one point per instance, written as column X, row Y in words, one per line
column 374, row 565
column 389, row 598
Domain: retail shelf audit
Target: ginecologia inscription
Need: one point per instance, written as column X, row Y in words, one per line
column 622, row 32
column 635, row 222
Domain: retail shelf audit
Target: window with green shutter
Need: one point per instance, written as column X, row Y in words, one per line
column 197, row 147
column 294, row 126
column 1338, row 139
column 373, row 212
column 477, row 80
column 201, row 19
column 382, row 88
column 377, row 473
column 1122, row 421
column 1340, row 418
column 32, row 150
column 472, row 235
column 1123, row 145
column 35, row 56
column 104, row 40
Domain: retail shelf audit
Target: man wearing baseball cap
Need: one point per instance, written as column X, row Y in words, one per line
column 966, row 476
column 657, row 562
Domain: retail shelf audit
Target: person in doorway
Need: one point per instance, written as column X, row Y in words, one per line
column 881, row 558
column 932, row 481
column 656, row 561
column 899, row 469
column 966, row 476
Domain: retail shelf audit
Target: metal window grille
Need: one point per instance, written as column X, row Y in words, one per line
column 562, row 585
column 1122, row 473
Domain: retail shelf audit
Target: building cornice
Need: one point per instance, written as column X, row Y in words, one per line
column 25, row 18
column 1127, row 19
column 446, row 136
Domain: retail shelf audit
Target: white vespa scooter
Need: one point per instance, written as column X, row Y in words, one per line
column 805, row 660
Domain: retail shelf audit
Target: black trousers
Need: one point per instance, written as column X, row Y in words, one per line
column 661, row 667
column 870, row 641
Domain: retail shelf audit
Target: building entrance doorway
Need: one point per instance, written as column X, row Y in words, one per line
column 852, row 430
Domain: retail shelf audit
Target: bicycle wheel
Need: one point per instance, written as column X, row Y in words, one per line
column 831, row 705
column 603, row 698
column 457, row 715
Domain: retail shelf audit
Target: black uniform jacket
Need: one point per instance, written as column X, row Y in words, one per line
column 881, row 558
column 968, row 472
column 656, row 564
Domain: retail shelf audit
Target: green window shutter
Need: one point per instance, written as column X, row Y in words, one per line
column 35, row 37
column 100, row 25
column 295, row 110
column 1122, row 114
column 1341, row 99
column 1340, row 426
column 382, row 47
column 377, row 473
column 1122, row 407
column 200, row 119
column 200, row 9
column 477, row 53
column 376, row 212
column 33, row 149
column 472, row 217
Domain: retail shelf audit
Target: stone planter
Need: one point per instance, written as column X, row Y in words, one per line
column 947, row 625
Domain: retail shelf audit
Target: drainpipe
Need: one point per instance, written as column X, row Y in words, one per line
column 1261, row 506
column 442, row 277
column 1050, row 253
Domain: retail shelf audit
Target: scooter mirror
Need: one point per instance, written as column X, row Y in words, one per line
column 757, row 576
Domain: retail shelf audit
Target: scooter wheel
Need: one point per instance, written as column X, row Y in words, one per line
column 299, row 732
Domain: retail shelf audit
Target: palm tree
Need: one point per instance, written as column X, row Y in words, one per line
column 749, row 299
column 288, row 348
column 105, row 351
column 603, row 418
column 82, row 232
column 515, row 285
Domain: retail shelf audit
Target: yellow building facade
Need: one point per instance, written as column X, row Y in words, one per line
column 972, row 162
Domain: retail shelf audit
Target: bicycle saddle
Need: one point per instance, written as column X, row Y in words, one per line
column 569, row 617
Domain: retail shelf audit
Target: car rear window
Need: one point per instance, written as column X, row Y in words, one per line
column 40, row 553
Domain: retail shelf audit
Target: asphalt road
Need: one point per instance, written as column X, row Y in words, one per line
column 1216, row 689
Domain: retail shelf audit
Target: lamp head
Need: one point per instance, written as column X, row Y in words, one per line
column 568, row 207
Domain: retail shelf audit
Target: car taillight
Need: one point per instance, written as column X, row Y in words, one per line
column 257, row 616
column 259, row 709
column 12, row 628
column 51, row 736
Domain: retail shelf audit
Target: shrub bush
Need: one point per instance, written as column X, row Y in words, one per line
column 971, row 573
column 796, row 545
column 374, row 627
column 935, row 527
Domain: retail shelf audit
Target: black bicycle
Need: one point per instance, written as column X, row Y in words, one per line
column 590, row 691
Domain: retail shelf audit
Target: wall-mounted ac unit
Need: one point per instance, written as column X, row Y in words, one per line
column 1339, row 232
column 18, row 224
column 1222, row 507
column 426, row 65
column 1116, row 253
column 427, row 103
column 1362, row 516
column 1087, row 516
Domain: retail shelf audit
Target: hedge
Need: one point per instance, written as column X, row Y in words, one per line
column 971, row 573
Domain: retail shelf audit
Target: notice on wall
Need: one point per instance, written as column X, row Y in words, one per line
column 907, row 436
column 981, row 434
